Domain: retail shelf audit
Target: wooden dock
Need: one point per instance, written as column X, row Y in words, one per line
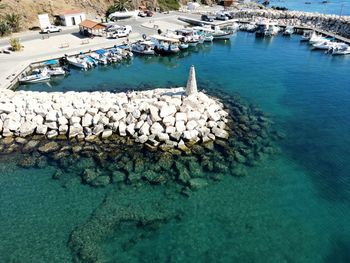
column 198, row 22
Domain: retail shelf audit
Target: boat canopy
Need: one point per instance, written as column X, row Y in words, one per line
column 201, row 28
column 100, row 51
column 163, row 38
column 51, row 62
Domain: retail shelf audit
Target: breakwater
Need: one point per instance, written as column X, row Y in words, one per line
column 163, row 118
column 330, row 23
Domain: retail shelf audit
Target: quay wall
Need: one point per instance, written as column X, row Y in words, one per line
column 165, row 118
column 331, row 23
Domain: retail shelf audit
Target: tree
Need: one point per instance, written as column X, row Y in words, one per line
column 13, row 21
column 119, row 5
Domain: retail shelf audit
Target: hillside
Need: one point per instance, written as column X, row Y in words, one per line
column 29, row 9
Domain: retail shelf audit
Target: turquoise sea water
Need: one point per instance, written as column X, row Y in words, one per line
column 292, row 207
column 337, row 7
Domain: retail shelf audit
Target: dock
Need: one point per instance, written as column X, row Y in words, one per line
column 197, row 22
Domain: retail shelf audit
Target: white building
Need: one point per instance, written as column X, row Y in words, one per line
column 71, row 17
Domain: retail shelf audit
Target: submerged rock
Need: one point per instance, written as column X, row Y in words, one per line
column 197, row 183
column 49, row 147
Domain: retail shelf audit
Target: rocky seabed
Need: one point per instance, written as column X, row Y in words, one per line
column 331, row 23
column 165, row 118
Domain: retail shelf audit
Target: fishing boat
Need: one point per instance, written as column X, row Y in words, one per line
column 340, row 49
column 143, row 47
column 271, row 30
column 34, row 78
column 77, row 62
column 289, row 30
column 99, row 56
column 165, row 45
column 189, row 36
column 206, row 33
column 123, row 15
column 90, row 61
column 266, row 29
column 219, row 34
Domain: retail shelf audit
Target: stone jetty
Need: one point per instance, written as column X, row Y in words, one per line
column 166, row 118
column 330, row 23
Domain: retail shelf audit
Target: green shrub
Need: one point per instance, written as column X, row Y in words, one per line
column 166, row 5
column 15, row 44
column 14, row 21
column 5, row 29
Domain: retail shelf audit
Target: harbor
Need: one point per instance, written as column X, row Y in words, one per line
column 229, row 136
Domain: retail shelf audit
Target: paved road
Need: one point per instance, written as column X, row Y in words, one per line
column 135, row 23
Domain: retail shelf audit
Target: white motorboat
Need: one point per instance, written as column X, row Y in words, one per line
column 271, row 30
column 34, row 78
column 340, row 49
column 307, row 35
column 144, row 47
column 205, row 33
column 77, row 62
column 289, row 30
column 189, row 36
column 99, row 56
column 323, row 45
column 316, row 38
column 123, row 14
column 219, row 34
column 165, row 45
column 56, row 71
column 52, row 71
column 266, row 29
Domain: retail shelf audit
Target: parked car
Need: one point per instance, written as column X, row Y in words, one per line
column 207, row 18
column 123, row 31
column 51, row 29
column 221, row 16
column 142, row 14
column 112, row 28
column 149, row 13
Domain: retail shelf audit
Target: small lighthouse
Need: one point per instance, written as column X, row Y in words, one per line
column 191, row 87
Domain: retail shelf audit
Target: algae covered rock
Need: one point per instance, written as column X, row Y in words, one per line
column 153, row 177
column 49, row 147
column 27, row 161
column 198, row 183
column 118, row 176
column 90, row 174
column 101, row 181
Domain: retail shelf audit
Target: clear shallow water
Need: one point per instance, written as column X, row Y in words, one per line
column 293, row 207
column 336, row 7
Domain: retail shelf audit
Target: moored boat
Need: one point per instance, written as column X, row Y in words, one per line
column 165, row 45
column 288, row 31
column 143, row 47
column 77, row 62
column 219, row 34
column 340, row 49
column 34, row 78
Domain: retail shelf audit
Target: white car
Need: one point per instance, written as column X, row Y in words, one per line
column 123, row 31
column 51, row 29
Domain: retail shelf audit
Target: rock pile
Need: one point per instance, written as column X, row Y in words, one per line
column 165, row 118
column 331, row 23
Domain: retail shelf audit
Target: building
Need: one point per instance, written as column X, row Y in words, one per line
column 71, row 17
column 91, row 28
